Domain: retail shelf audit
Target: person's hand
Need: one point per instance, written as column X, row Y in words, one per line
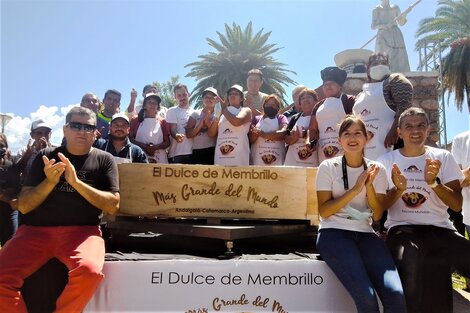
column 431, row 170
column 133, row 94
column 150, row 149
column 206, row 121
column 361, row 181
column 98, row 133
column 311, row 148
column 179, row 138
column 255, row 131
column 466, row 181
column 292, row 138
column 70, row 173
column 41, row 143
column 372, row 171
column 53, row 170
column 223, row 105
column 391, row 138
column 398, row 179
column 36, row 145
column 248, row 101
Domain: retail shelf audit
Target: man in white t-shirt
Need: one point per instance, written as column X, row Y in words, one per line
column 181, row 147
column 422, row 240
column 254, row 98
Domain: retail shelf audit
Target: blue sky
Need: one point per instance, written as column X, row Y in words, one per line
column 52, row 52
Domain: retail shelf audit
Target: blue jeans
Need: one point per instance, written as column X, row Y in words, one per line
column 364, row 266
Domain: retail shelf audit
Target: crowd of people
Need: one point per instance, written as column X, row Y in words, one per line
column 372, row 161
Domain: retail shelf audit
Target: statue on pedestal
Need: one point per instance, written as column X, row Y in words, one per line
column 385, row 18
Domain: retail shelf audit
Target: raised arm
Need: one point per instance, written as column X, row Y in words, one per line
column 244, row 116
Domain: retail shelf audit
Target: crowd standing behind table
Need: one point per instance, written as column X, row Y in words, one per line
column 220, row 127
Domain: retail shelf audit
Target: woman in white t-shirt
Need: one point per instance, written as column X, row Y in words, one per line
column 351, row 191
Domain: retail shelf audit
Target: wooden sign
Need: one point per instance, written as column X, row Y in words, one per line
column 210, row 191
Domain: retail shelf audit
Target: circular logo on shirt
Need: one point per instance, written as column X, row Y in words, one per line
column 413, row 199
column 268, row 158
column 304, row 154
column 330, row 151
column 226, row 149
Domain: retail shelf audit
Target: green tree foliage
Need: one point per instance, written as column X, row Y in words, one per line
column 165, row 91
column 451, row 28
column 237, row 52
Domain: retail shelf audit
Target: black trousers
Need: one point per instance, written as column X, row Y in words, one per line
column 425, row 257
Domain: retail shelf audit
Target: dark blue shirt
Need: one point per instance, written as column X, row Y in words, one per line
column 130, row 150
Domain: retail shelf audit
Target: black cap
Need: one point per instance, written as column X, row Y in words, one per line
column 335, row 74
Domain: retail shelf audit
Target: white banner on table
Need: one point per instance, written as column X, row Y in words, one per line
column 206, row 286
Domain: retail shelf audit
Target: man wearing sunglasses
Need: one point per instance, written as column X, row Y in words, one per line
column 64, row 195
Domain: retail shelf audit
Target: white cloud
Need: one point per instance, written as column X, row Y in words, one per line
column 18, row 129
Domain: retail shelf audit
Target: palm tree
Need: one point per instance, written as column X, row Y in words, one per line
column 456, row 71
column 451, row 29
column 238, row 52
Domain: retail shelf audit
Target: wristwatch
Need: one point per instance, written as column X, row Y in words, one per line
column 436, row 183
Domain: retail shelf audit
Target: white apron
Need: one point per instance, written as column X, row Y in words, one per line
column 266, row 152
column 297, row 154
column 378, row 117
column 329, row 116
column 150, row 131
column 233, row 147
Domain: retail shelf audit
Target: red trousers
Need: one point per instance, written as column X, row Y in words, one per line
column 80, row 248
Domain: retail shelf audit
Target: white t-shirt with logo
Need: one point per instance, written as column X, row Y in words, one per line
column 330, row 178
column 461, row 153
column 179, row 116
column 419, row 204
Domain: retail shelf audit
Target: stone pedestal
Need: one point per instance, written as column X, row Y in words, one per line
column 425, row 95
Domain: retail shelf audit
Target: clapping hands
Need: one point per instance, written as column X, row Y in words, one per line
column 398, row 179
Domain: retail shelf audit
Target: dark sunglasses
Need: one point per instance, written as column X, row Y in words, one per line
column 76, row 126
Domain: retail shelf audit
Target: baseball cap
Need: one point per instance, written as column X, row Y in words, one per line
column 120, row 115
column 152, row 95
column 38, row 124
column 236, row 87
column 211, row 90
